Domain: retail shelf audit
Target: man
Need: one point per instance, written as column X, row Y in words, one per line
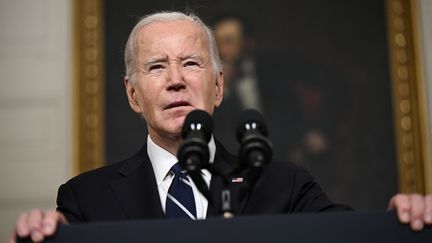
column 241, row 82
column 172, row 68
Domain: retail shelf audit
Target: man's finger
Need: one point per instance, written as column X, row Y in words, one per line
column 34, row 222
column 51, row 220
column 21, row 227
column 49, row 223
column 12, row 237
column 428, row 209
column 417, row 211
column 402, row 204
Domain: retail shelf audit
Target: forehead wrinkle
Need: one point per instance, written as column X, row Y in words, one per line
column 156, row 58
column 149, row 47
column 190, row 51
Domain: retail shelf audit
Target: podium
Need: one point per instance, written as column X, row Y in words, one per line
column 326, row 227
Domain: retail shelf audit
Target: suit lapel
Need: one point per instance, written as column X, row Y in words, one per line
column 137, row 190
column 216, row 184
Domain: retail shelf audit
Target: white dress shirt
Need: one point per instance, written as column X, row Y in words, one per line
column 162, row 161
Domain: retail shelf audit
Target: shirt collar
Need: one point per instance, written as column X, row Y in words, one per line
column 162, row 160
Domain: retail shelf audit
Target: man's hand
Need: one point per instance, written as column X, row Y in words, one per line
column 37, row 224
column 414, row 209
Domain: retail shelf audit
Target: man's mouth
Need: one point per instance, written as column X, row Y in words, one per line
column 177, row 104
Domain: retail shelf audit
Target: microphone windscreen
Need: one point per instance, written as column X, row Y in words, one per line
column 250, row 116
column 198, row 120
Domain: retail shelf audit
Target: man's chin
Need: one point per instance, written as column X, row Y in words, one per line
column 176, row 124
column 175, row 118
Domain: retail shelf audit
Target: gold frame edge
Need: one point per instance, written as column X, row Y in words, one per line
column 410, row 117
column 88, row 93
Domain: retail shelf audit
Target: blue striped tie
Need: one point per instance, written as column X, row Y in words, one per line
column 180, row 202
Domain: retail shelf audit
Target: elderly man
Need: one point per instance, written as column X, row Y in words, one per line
column 173, row 68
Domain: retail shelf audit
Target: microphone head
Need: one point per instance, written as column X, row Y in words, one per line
column 250, row 119
column 198, row 120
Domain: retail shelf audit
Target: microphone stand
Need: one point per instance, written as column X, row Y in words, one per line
column 192, row 165
column 226, row 195
column 226, row 206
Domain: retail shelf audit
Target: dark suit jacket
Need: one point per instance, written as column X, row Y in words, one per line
column 128, row 190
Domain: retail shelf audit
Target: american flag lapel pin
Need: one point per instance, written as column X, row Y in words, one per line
column 237, row 180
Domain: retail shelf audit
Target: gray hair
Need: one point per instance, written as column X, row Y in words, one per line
column 130, row 54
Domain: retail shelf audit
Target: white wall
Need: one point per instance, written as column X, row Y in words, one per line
column 35, row 71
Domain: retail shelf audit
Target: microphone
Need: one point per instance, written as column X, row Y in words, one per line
column 193, row 154
column 255, row 148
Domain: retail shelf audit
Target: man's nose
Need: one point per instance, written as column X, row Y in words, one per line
column 175, row 77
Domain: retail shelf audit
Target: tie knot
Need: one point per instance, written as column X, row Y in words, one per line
column 177, row 169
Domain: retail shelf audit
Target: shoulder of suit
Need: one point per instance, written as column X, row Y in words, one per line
column 284, row 167
column 112, row 171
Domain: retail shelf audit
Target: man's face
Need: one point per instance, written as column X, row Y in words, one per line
column 229, row 37
column 174, row 75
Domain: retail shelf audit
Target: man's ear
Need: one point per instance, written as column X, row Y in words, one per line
column 219, row 89
column 132, row 96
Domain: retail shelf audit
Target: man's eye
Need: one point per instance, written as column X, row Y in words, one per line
column 190, row 64
column 156, row 67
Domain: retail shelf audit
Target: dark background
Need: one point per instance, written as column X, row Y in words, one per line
column 335, row 50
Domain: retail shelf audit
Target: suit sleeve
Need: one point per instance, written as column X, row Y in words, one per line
column 309, row 197
column 68, row 205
